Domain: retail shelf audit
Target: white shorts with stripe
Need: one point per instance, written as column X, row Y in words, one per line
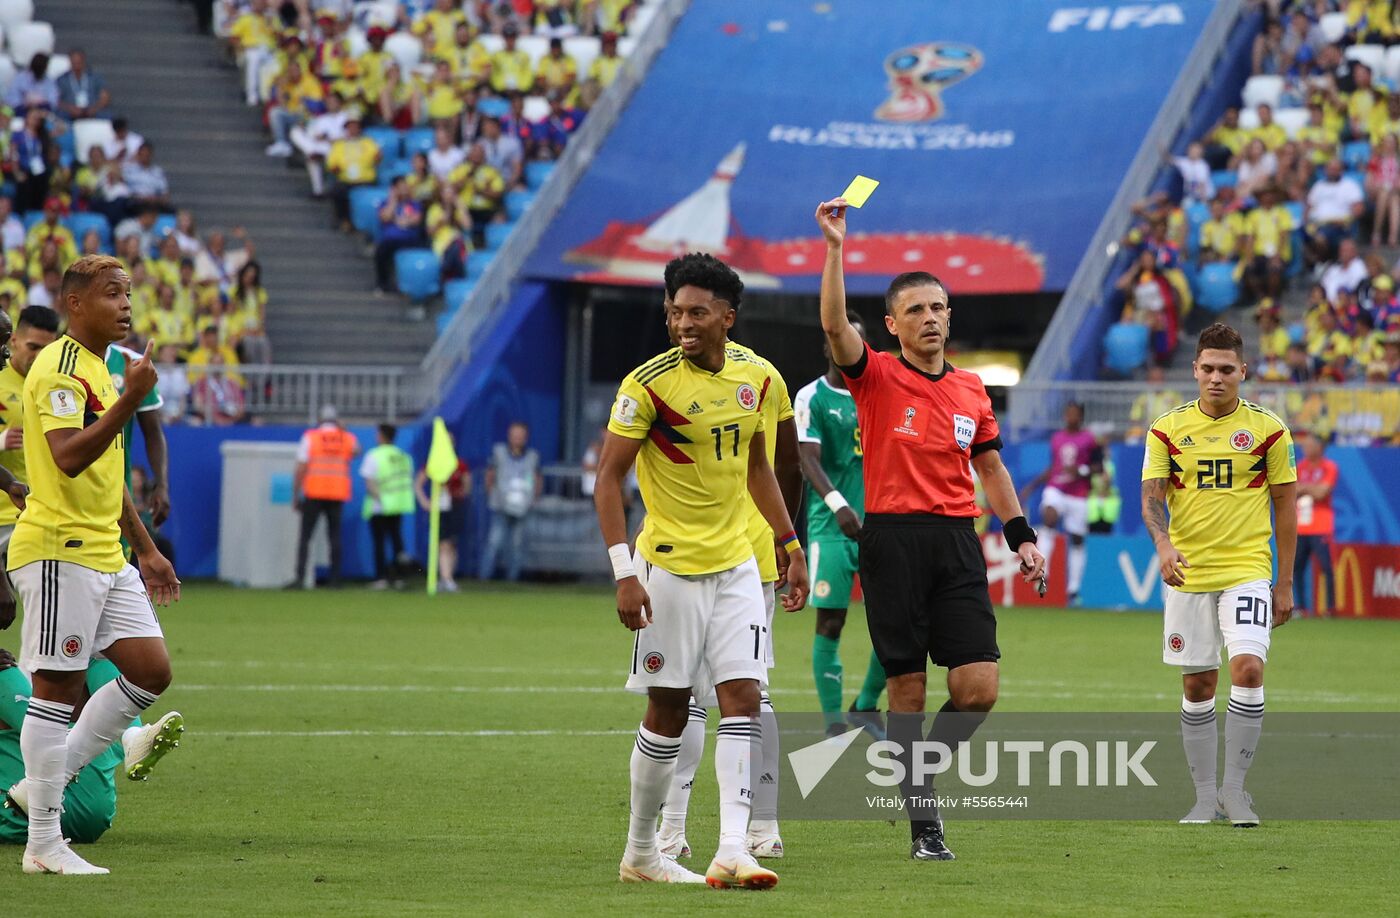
column 703, row 692
column 705, row 629
column 1194, row 625
column 73, row 612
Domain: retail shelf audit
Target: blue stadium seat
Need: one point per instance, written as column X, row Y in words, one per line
column 496, row 234
column 1356, row 154
column 32, row 218
column 165, row 224
column 1218, row 289
column 1295, row 264
column 517, row 202
column 417, row 140
column 81, row 222
column 1297, row 333
column 391, row 167
column 455, row 292
column 477, row 262
column 1225, row 178
column 1197, row 212
column 1358, row 177
column 417, row 272
column 536, row 171
column 67, row 150
column 1125, row 347
column 443, row 320
column 365, row 202
column 493, row 107
column 390, row 143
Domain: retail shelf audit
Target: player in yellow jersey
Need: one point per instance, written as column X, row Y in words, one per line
column 65, row 558
column 1215, row 465
column 764, row 839
column 38, row 327
column 692, row 419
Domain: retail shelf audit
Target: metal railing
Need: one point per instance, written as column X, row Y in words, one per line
column 1362, row 415
column 492, row 292
column 1054, row 355
column 293, row 393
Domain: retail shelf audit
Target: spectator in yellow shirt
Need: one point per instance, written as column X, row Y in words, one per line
column 247, row 315
column 1385, row 119
column 443, row 98
column 143, row 295
column 1363, row 100
column 296, row 97
column 202, row 353
column 1319, row 139
column 604, row 68
column 353, row 161
column 1225, row 140
column 483, row 188
column 1272, row 134
column 165, row 269
column 557, row 72
column 167, row 325
column 51, row 228
column 372, row 65
column 438, row 27
column 511, row 70
column 1269, row 229
column 1152, row 404
column 1220, row 235
column 252, row 37
column 469, row 57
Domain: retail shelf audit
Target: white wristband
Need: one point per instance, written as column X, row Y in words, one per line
column 621, row 561
column 835, row 500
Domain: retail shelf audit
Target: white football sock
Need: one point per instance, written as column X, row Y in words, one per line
column 43, row 743
column 687, row 764
column 106, row 715
column 734, row 745
column 1244, row 720
column 765, row 793
column 653, row 763
column 1201, row 741
column 1078, row 557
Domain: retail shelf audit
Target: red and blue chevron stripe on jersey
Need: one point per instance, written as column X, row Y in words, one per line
column 1262, row 466
column 663, row 431
column 1172, row 452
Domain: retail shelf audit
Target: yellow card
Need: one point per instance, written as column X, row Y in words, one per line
column 859, row 191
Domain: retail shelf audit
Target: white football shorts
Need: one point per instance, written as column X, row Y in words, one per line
column 72, row 612
column 1073, row 511
column 1194, row 625
column 704, row 690
column 705, row 629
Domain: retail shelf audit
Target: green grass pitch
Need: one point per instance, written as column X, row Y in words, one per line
column 353, row 753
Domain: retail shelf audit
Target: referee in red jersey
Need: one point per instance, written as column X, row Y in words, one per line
column 925, row 426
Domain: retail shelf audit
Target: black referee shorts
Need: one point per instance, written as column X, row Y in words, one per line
column 926, row 598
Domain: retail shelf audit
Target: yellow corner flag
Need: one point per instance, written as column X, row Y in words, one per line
column 442, row 463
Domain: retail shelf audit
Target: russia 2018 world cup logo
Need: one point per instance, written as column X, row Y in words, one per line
column 919, row 74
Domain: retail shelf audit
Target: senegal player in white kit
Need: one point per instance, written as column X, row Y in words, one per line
column 1216, row 464
column 693, row 422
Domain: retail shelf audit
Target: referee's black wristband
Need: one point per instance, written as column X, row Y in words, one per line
column 1018, row 532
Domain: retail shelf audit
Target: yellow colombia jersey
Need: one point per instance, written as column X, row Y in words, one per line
column 777, row 407
column 693, row 469
column 1219, row 471
column 11, row 415
column 69, row 519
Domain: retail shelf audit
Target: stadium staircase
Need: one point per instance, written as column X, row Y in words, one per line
column 175, row 87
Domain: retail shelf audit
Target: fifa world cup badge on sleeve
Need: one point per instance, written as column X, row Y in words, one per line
column 626, row 410
column 65, row 403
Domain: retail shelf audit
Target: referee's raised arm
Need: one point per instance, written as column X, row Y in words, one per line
column 846, row 346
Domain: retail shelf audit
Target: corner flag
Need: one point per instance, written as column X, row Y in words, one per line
column 442, row 463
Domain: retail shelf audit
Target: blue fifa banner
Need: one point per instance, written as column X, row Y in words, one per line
column 999, row 133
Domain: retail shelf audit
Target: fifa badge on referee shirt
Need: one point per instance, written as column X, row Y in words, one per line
column 964, row 429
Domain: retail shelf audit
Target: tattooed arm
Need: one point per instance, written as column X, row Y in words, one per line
column 1154, row 514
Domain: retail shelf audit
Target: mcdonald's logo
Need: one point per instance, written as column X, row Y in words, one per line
column 1349, row 561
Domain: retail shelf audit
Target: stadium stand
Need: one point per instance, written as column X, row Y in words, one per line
column 1277, row 201
column 469, row 102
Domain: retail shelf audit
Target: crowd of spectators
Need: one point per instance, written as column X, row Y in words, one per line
column 70, row 192
column 1279, row 195
column 440, row 101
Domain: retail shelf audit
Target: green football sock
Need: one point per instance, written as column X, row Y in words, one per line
column 869, row 698
column 826, row 670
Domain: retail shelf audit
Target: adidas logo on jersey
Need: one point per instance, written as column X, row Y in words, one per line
column 694, row 408
column 1187, row 441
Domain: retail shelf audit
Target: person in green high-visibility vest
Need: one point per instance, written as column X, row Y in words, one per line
column 388, row 474
column 1105, row 504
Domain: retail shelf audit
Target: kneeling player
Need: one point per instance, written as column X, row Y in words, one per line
column 90, row 801
column 1217, row 464
column 692, row 419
